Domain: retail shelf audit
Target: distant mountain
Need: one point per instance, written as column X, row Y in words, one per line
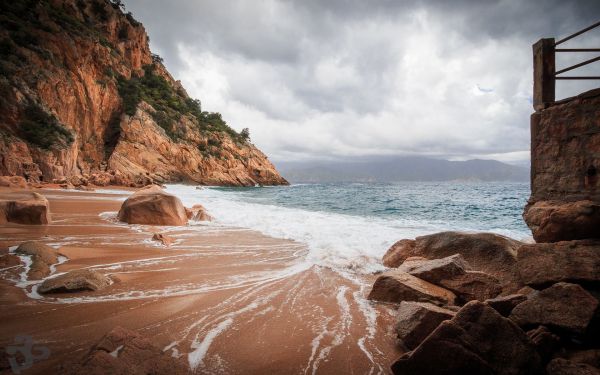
column 392, row 169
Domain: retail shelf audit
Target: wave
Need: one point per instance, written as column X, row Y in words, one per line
column 334, row 240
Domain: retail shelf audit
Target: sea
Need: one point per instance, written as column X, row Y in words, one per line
column 351, row 225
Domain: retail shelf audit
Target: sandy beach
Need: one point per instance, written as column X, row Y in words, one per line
column 222, row 299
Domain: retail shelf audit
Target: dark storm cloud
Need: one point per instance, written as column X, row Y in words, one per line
column 351, row 77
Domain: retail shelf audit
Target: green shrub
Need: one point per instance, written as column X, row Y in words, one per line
column 43, row 129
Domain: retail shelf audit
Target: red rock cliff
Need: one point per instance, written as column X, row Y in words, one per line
column 82, row 95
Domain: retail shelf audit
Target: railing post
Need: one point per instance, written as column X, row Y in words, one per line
column 543, row 73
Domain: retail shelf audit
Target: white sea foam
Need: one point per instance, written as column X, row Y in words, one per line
column 334, row 240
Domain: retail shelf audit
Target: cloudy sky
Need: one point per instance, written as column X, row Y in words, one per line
column 316, row 79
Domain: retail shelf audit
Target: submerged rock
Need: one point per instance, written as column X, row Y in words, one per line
column 42, row 257
column 566, row 307
column 75, row 281
column 477, row 340
column 163, row 238
column 548, row 263
column 33, row 209
column 153, row 206
column 397, row 286
column 416, row 320
column 123, row 352
column 553, row 221
column 198, row 213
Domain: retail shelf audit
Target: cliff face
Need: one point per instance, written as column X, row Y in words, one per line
column 82, row 95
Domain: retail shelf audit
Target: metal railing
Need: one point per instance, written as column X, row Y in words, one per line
column 544, row 67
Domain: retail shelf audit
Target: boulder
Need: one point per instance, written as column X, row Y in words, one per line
column 544, row 264
column 472, row 285
column 477, row 340
column 15, row 182
column 153, row 206
column 589, row 356
column 75, row 281
column 124, row 352
column 505, row 304
column 398, row 253
column 488, row 252
column 163, row 238
column 545, row 342
column 416, row 320
column 560, row 366
column 198, row 213
column 554, row 221
column 397, row 286
column 42, row 257
column 32, row 209
column 435, row 270
column 563, row 306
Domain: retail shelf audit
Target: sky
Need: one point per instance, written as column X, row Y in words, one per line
column 316, row 79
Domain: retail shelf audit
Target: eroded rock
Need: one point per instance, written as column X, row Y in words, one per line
column 42, row 257
column 472, row 285
column 153, row 206
column 435, row 270
column 75, row 281
column 13, row 182
column 553, row 221
column 505, row 304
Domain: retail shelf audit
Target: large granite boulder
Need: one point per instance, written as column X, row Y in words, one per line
column 397, row 286
column 566, row 307
column 548, row 263
column 125, row 352
column 32, row 209
column 42, row 257
column 487, row 252
column 553, row 221
column 153, row 206
column 477, row 340
column 75, row 281
column 416, row 320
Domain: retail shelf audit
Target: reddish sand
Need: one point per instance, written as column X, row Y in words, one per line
column 226, row 300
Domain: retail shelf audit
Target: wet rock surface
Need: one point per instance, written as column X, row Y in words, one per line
column 153, row 206
column 75, row 281
column 397, row 286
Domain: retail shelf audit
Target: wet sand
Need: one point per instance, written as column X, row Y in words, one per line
column 225, row 300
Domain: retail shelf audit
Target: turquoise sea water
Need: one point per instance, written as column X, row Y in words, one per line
column 353, row 224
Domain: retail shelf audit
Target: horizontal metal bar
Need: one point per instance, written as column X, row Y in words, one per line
column 577, row 77
column 578, row 65
column 577, row 33
column 577, row 50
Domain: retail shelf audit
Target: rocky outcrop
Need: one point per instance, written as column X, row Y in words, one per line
column 487, row 252
column 548, row 263
column 153, row 206
column 397, row 286
column 73, row 104
column 75, row 281
column 553, row 221
column 32, row 209
column 122, row 352
column 42, row 257
column 477, row 340
column 566, row 307
column 416, row 320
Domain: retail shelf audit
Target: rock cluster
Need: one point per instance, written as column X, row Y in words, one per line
column 485, row 304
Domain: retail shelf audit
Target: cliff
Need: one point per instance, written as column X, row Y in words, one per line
column 83, row 97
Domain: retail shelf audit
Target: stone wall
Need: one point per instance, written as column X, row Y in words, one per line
column 565, row 162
